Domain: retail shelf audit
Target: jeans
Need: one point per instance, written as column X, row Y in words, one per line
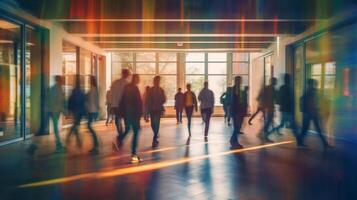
column 74, row 129
column 118, row 124
column 179, row 114
column 307, row 118
column 189, row 111
column 55, row 117
column 91, row 118
column 237, row 125
column 269, row 117
column 155, row 123
column 134, row 123
column 206, row 115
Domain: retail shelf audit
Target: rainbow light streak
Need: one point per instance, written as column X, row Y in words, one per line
column 143, row 168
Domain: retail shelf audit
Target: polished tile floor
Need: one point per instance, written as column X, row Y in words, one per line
column 181, row 168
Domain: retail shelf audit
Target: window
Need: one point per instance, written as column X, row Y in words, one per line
column 217, row 74
column 240, row 67
column 195, row 70
column 148, row 65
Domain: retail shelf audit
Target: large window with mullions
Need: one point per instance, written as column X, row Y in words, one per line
column 147, row 65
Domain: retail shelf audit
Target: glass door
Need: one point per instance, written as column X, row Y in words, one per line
column 10, row 80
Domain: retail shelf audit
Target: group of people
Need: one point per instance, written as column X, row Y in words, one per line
column 126, row 104
column 79, row 105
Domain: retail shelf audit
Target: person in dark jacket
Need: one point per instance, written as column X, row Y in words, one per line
column 179, row 104
column 238, row 110
column 132, row 109
column 156, row 100
column 76, row 107
column 190, row 103
column 225, row 100
column 310, row 109
column 269, row 100
column 286, row 106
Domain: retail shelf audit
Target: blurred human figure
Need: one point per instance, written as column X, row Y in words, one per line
column 132, row 108
column 286, row 106
column 145, row 104
column 109, row 104
column 55, row 106
column 190, row 102
column 92, row 104
column 238, row 111
column 206, row 97
column 226, row 101
column 77, row 108
column 310, row 109
column 156, row 101
column 260, row 107
column 179, row 104
column 268, row 101
column 117, row 89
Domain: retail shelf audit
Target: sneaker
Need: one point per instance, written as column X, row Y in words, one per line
column 60, row 150
column 155, row 144
column 135, row 159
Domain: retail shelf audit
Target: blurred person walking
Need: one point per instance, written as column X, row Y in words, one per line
column 238, row 111
column 117, row 89
column 55, row 106
column 132, row 109
column 145, row 104
column 226, row 101
column 109, row 105
column 92, row 104
column 206, row 98
column 310, row 108
column 77, row 108
column 156, row 100
column 179, row 104
column 286, row 106
column 190, row 103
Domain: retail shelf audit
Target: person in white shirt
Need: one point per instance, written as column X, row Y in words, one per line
column 92, row 106
column 206, row 97
column 117, row 89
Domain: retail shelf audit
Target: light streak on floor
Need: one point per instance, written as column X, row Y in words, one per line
column 147, row 167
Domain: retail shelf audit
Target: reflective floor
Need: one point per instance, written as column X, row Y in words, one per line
column 181, row 169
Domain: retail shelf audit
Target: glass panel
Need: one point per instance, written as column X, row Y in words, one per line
column 168, row 83
column 167, row 68
column 10, row 85
column 167, row 57
column 241, row 57
column 329, row 82
column 33, row 80
column 217, row 57
column 330, row 68
column 195, row 68
column 145, row 80
column 196, row 82
column 85, row 68
column 69, row 66
column 195, row 57
column 145, row 56
column 218, row 84
column 316, row 69
column 298, row 83
column 240, row 68
column 145, row 68
column 122, row 57
column 217, row 68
